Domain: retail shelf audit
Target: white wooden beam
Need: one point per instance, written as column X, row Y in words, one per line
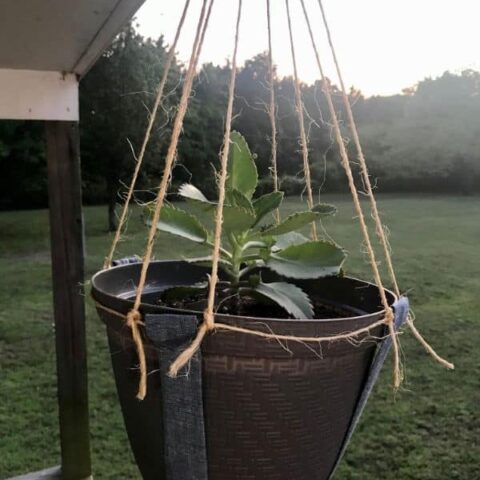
column 38, row 95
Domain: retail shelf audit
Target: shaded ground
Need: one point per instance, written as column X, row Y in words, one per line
column 430, row 430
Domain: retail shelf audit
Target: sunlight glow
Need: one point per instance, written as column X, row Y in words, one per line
column 383, row 45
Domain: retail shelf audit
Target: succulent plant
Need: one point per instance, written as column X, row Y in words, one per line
column 249, row 244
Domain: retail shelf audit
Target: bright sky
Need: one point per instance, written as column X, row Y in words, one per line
column 383, row 45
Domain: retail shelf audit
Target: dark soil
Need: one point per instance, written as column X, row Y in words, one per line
column 252, row 307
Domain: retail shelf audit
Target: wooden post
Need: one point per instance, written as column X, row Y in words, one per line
column 66, row 226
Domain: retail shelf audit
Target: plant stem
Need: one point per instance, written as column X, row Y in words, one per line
column 248, row 269
column 236, row 260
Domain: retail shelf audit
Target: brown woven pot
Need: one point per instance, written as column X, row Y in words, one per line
column 273, row 411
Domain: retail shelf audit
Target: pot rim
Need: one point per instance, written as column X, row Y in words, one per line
column 229, row 317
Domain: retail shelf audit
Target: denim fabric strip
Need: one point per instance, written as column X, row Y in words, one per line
column 184, row 430
column 401, row 308
column 126, row 261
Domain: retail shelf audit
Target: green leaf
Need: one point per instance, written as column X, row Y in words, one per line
column 242, row 171
column 193, row 194
column 313, row 259
column 290, row 297
column 254, row 280
column 257, row 244
column 182, row 224
column 236, row 219
column 289, row 239
column 291, row 223
column 325, row 209
column 238, row 199
column 266, row 204
column 205, row 261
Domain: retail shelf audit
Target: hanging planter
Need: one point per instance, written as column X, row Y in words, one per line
column 255, row 362
column 250, row 403
column 246, row 407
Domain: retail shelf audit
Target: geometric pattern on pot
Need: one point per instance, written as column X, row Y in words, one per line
column 264, row 418
column 270, row 412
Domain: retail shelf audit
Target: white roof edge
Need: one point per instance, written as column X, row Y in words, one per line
column 122, row 13
column 38, row 95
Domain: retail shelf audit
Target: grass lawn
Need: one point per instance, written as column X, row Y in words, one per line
column 430, row 430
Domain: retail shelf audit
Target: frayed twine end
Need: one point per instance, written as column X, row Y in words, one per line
column 185, row 357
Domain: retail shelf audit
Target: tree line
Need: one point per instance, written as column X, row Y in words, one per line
column 424, row 140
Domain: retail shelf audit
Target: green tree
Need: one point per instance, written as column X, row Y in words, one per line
column 115, row 99
column 203, row 128
column 430, row 139
column 23, row 173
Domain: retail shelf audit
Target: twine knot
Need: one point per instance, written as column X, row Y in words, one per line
column 397, row 366
column 134, row 318
column 389, row 316
column 209, row 319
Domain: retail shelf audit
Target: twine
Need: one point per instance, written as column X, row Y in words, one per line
column 366, row 179
column 134, row 319
column 146, row 139
column 189, row 352
column 169, row 162
column 301, row 124
column 208, row 317
column 203, row 329
column 209, row 321
column 296, row 338
column 271, row 110
column 389, row 317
